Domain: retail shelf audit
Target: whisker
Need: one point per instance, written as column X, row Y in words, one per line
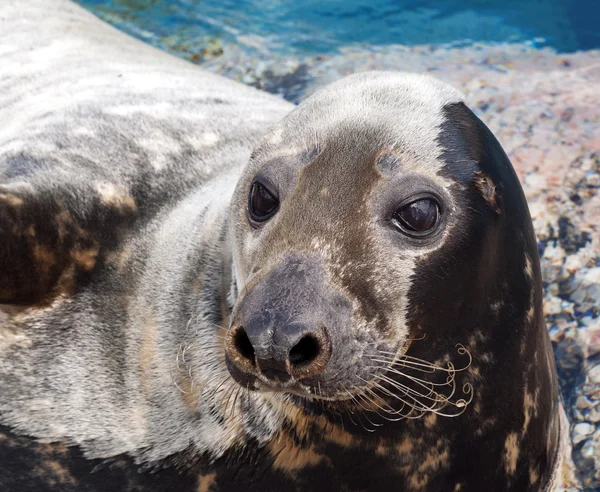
column 411, row 392
column 399, row 412
column 416, row 403
column 358, row 415
column 389, row 410
column 417, row 362
column 368, row 410
column 417, row 366
column 416, row 379
column 461, row 403
column 349, row 412
column 175, row 381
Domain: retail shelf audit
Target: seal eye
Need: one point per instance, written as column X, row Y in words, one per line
column 418, row 217
column 262, row 204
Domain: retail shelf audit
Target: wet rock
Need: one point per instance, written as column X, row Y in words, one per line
column 587, row 291
column 594, row 375
column 581, row 431
column 593, row 414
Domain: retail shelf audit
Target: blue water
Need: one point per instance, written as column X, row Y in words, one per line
column 323, row 26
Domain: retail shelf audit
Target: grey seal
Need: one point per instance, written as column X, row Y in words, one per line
column 204, row 288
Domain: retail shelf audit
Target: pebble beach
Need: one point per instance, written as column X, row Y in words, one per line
column 544, row 108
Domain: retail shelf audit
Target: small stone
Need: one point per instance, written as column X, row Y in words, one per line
column 578, row 415
column 594, row 374
column 552, row 305
column 581, row 431
column 582, row 402
column 592, row 178
column 588, row 450
column 536, row 181
column 593, row 415
column 589, row 337
column 574, row 263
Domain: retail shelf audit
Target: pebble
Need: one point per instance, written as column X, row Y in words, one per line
column 593, row 415
column 594, row 375
column 581, row 431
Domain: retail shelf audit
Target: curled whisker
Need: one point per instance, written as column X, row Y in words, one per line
column 397, row 371
column 179, row 388
column 414, row 397
column 185, row 349
column 358, row 399
column 414, row 405
column 353, row 398
column 398, row 412
column 349, row 411
column 416, row 362
column 174, row 380
column 417, row 365
column 461, row 349
column 387, row 409
column 193, row 318
column 420, row 394
column 411, row 391
column 370, row 402
column 430, row 386
column 444, row 401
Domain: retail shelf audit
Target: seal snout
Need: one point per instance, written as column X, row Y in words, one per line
column 286, row 328
column 281, row 353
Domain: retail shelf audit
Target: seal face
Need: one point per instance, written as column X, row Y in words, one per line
column 327, row 271
column 359, row 306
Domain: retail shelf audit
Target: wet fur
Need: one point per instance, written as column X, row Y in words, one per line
column 118, row 191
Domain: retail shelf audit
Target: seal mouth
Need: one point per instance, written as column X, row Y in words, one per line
column 397, row 387
column 256, row 381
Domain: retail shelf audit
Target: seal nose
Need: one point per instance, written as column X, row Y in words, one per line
column 292, row 350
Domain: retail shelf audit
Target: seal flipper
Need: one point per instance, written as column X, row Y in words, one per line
column 50, row 238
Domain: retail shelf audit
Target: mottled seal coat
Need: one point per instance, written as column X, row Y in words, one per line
column 354, row 305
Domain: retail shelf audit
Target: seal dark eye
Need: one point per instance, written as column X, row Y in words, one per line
column 418, row 217
column 262, row 203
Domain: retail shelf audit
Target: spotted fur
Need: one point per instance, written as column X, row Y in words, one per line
column 127, row 259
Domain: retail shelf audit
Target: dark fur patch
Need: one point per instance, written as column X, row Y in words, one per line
column 31, row 466
column 47, row 247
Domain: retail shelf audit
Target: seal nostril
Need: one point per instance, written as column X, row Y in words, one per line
column 243, row 345
column 305, row 351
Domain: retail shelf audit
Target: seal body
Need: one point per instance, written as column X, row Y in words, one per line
column 351, row 300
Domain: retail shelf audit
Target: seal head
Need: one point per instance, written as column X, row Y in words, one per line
column 353, row 200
